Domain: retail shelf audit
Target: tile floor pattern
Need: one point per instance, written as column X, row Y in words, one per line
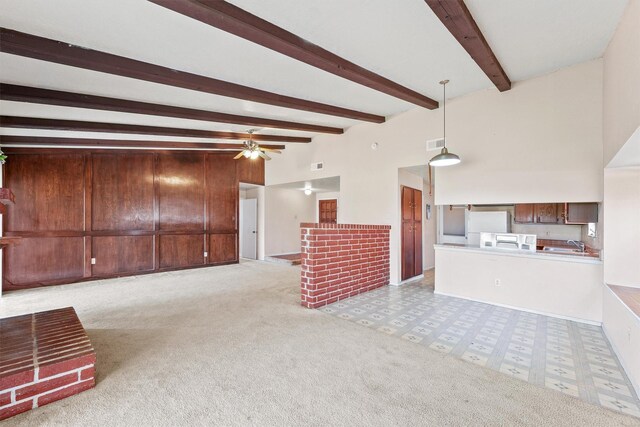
column 570, row 357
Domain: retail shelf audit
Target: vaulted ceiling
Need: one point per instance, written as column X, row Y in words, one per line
column 401, row 41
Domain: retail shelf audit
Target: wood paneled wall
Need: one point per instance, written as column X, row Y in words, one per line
column 132, row 212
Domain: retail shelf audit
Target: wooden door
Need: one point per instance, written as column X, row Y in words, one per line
column 547, row 213
column 328, row 211
column 524, row 213
column 411, row 213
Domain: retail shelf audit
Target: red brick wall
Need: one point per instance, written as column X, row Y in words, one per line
column 342, row 260
column 44, row 357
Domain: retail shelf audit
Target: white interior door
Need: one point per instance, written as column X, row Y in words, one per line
column 248, row 228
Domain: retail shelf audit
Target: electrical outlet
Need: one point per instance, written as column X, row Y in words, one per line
column 497, row 282
column 93, row 261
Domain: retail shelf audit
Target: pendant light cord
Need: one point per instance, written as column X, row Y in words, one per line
column 444, row 113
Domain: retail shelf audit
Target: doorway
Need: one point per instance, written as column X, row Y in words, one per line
column 411, row 207
column 248, row 228
column 328, row 211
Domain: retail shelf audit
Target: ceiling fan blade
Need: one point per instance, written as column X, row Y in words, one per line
column 263, row 155
column 240, row 154
column 271, row 150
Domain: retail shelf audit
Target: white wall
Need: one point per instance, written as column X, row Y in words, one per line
column 621, row 243
column 548, row 128
column 622, row 226
column 622, row 82
column 622, row 327
column 556, row 287
column 285, row 209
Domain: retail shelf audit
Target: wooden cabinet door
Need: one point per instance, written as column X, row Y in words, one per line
column 547, row 213
column 223, row 193
column 581, row 213
column 417, row 232
column 411, row 213
column 524, row 213
column 328, row 211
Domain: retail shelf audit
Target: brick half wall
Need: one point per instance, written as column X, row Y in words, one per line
column 342, row 260
column 44, row 357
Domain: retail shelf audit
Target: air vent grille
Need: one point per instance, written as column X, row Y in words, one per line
column 317, row 166
column 435, row 144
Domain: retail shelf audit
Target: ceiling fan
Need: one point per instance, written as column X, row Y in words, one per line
column 252, row 150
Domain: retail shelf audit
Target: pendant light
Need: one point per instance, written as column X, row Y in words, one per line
column 445, row 158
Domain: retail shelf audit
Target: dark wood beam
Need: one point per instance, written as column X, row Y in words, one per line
column 18, row 43
column 458, row 20
column 35, row 95
column 46, row 141
column 74, row 125
column 227, row 17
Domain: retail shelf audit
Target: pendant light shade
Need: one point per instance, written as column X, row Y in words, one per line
column 445, row 158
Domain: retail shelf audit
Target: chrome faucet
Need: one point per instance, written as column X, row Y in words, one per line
column 578, row 243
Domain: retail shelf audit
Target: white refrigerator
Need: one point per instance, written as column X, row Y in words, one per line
column 488, row 222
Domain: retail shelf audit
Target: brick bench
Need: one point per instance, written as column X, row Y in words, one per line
column 44, row 357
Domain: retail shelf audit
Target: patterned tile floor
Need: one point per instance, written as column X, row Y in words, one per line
column 571, row 357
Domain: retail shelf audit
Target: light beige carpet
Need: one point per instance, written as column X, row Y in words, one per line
column 232, row 346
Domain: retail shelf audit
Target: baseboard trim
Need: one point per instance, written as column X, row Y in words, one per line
column 411, row 279
column 557, row 316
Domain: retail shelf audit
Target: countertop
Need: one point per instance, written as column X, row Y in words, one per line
column 587, row 257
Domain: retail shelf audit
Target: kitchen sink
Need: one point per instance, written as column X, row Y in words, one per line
column 562, row 250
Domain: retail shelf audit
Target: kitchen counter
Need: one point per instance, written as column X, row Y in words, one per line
column 553, row 284
column 586, row 257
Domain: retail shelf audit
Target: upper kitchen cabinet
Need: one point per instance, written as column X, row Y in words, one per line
column 580, row 213
column 524, row 213
column 556, row 213
column 547, row 213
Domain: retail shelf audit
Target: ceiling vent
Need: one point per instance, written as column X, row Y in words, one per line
column 435, row 144
column 317, row 166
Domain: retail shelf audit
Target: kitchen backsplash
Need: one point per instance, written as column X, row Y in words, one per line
column 555, row 231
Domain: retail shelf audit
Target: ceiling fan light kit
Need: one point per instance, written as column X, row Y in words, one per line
column 445, row 158
column 252, row 149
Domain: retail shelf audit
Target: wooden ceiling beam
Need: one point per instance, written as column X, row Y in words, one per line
column 46, row 141
column 35, row 95
column 458, row 20
column 232, row 19
column 31, row 46
column 82, row 126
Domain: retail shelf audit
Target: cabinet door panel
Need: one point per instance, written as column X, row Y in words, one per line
column 122, row 254
column 49, row 192
column 524, row 213
column 222, row 187
column 547, row 213
column 581, row 213
column 122, row 192
column 222, row 248
column 180, row 180
column 251, row 171
column 181, row 250
column 43, row 259
column 407, row 203
column 417, row 232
